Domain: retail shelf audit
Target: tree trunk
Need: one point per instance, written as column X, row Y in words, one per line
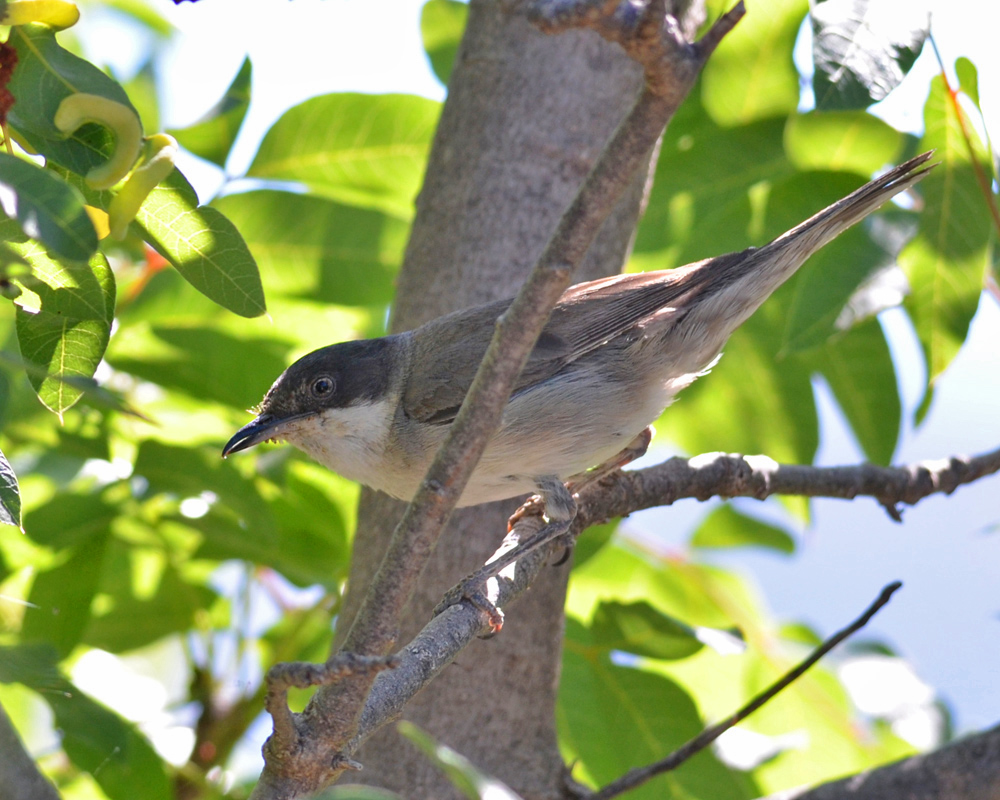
column 525, row 119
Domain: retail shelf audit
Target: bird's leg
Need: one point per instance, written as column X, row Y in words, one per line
column 557, row 500
column 540, row 503
column 478, row 587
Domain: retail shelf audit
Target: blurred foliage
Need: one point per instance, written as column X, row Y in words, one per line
column 137, row 535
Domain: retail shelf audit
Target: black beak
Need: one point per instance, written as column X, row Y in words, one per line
column 255, row 432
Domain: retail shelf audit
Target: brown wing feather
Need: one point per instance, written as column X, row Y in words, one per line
column 587, row 315
column 449, row 349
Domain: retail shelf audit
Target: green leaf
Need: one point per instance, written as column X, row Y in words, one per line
column 727, row 527
column 594, row 538
column 826, row 285
column 306, row 541
column 73, row 291
column 706, row 196
column 35, row 664
column 47, row 74
column 202, row 245
column 213, row 135
column 94, row 394
column 462, row 773
column 751, row 76
column 66, row 348
column 300, row 532
column 63, row 319
column 187, row 472
column 60, row 598
column 49, row 210
column 849, row 141
column 171, row 609
column 948, row 260
column 365, row 150
column 858, row 367
column 70, row 520
column 642, row 630
column 442, row 23
column 613, row 718
column 968, row 78
column 97, row 740
column 311, row 247
column 205, row 362
column 10, row 495
column 862, row 49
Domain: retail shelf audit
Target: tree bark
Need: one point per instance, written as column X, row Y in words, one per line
column 968, row 769
column 525, row 119
column 20, row 779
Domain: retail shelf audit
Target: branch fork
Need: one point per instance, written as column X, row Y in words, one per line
column 334, row 716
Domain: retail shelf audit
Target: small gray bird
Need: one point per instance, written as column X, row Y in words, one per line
column 612, row 356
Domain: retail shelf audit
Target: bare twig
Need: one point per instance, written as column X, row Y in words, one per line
column 444, row 637
column 724, row 475
column 302, row 675
column 638, row 776
column 440, row 641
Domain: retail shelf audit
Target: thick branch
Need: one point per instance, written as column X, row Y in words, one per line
column 19, row 777
column 968, row 769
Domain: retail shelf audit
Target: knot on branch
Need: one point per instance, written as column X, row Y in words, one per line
column 285, row 744
column 303, row 675
column 729, row 475
column 644, row 29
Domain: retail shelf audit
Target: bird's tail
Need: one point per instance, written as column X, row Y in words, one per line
column 822, row 228
column 732, row 287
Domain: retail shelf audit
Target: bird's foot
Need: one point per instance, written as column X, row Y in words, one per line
column 553, row 501
column 474, row 591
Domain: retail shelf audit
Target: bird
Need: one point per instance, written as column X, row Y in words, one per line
column 612, row 356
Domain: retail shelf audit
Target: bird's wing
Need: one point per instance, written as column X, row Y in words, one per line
column 590, row 314
column 450, row 348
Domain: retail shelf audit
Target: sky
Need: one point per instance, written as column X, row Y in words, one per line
column 946, row 621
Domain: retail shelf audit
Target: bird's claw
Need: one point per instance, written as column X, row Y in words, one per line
column 534, row 506
column 471, row 590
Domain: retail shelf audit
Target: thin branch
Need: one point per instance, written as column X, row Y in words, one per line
column 702, row 477
column 723, row 475
column 638, row 776
column 302, row 675
column 442, row 639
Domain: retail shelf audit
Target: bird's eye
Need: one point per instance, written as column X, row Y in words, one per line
column 322, row 386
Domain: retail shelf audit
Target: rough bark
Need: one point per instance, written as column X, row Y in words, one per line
column 526, row 117
column 968, row 769
column 20, row 779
